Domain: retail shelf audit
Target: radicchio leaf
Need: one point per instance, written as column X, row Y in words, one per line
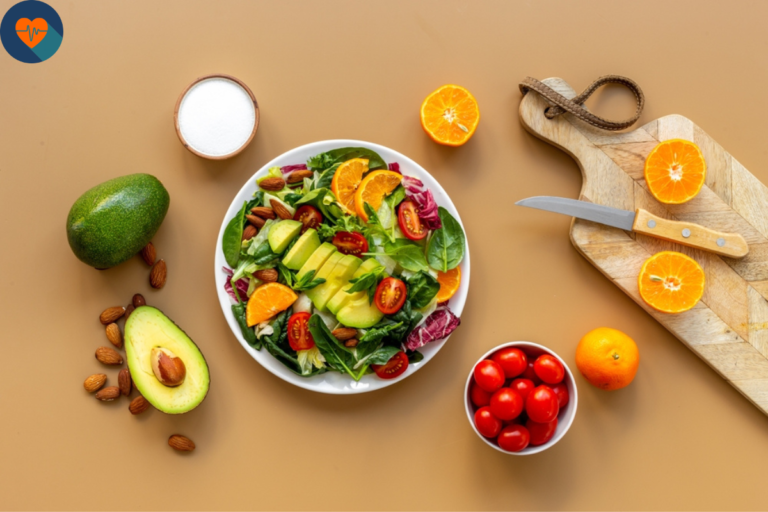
column 395, row 167
column 241, row 284
column 424, row 200
column 438, row 326
column 288, row 169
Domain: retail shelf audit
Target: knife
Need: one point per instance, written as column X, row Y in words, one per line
column 642, row 221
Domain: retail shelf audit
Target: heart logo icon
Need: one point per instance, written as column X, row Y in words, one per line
column 31, row 32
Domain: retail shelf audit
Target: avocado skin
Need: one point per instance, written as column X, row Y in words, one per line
column 111, row 222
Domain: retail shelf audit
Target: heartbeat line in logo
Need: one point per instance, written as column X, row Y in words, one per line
column 33, row 31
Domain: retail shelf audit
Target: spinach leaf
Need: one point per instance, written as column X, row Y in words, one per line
column 447, row 245
column 336, row 156
column 324, row 200
column 414, row 357
column 263, row 254
column 408, row 317
column 232, row 237
column 373, row 337
column 306, row 282
column 272, row 343
column 286, row 275
column 422, row 288
column 375, row 225
column 257, row 200
column 408, row 254
column 238, row 310
column 382, row 355
column 292, row 198
column 336, row 355
column 325, row 179
column 368, row 282
column 395, row 198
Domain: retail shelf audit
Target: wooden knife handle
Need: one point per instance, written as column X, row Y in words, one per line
column 731, row 245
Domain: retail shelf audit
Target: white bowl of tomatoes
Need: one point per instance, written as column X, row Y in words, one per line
column 520, row 398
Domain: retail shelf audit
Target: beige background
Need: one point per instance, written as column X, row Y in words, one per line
column 678, row 438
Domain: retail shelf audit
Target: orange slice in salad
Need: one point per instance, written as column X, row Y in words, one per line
column 449, row 284
column 675, row 171
column 346, row 180
column 374, row 188
column 450, row 115
column 671, row 282
column 268, row 300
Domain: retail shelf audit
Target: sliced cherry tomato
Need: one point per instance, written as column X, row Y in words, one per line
column 410, row 223
column 489, row 375
column 299, row 337
column 541, row 405
column 350, row 243
column 514, row 438
column 523, row 386
column 395, row 367
column 487, row 424
column 390, row 295
column 506, row 404
column 512, row 360
column 549, row 369
column 530, row 374
column 541, row 432
column 479, row 396
column 309, row 216
column 561, row 390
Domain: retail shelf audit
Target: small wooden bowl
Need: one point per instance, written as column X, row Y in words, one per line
column 184, row 93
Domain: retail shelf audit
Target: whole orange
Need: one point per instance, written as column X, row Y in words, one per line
column 607, row 358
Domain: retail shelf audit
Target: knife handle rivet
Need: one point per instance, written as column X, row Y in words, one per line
column 651, row 223
column 721, row 242
column 686, row 233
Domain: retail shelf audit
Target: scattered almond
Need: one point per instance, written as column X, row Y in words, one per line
column 344, row 333
column 138, row 405
column 108, row 394
column 256, row 220
column 298, row 176
column 128, row 311
column 110, row 315
column 181, row 443
column 280, row 210
column 114, row 335
column 95, row 382
column 268, row 275
column 249, row 232
column 351, row 343
column 139, row 300
column 263, row 212
column 148, row 254
column 109, row 356
column 158, row 275
column 124, row 381
column 272, row 184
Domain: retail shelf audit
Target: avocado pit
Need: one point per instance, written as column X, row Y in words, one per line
column 168, row 368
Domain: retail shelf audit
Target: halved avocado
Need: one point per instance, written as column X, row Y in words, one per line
column 147, row 328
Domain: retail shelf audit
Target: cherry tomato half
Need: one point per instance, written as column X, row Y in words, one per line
column 541, row 432
column 514, row 438
column 530, row 374
column 390, row 295
column 523, row 386
column 479, row 396
column 395, row 367
column 506, row 404
column 561, row 390
column 549, row 369
column 299, row 337
column 487, row 424
column 410, row 223
column 489, row 375
column 350, row 243
column 541, row 405
column 512, row 360
column 309, row 216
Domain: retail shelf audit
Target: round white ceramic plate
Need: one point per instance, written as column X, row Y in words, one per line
column 332, row 382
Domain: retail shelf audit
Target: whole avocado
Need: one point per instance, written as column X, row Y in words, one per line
column 111, row 222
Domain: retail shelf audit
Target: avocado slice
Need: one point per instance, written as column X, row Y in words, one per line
column 304, row 247
column 147, row 328
column 334, row 280
column 283, row 233
column 317, row 260
column 359, row 313
column 111, row 222
column 342, row 297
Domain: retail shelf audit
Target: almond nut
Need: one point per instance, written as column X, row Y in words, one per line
column 138, row 405
column 298, row 176
column 272, row 184
column 168, row 368
column 280, row 210
column 181, row 443
column 128, row 311
column 249, row 232
column 110, row 315
column 109, row 356
column 138, row 300
column 255, row 220
column 263, row 212
column 352, row 343
column 158, row 275
column 108, row 394
column 344, row 333
column 95, row 382
column 268, row 275
column 114, row 335
column 148, row 254
column 124, row 381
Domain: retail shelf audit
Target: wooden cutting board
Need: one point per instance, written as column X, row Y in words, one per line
column 728, row 328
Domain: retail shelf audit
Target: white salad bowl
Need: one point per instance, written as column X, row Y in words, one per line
column 332, row 382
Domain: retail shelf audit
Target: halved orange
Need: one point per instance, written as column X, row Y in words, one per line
column 675, row 171
column 268, row 300
column 346, row 180
column 450, row 115
column 671, row 282
column 449, row 284
column 374, row 188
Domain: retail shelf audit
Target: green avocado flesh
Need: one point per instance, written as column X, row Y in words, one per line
column 359, row 313
column 317, row 260
column 334, row 279
column 342, row 297
column 282, row 234
column 147, row 328
column 304, row 247
column 111, row 222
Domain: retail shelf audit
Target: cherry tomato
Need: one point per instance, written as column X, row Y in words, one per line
column 530, row 374
column 487, row 424
column 489, row 375
column 514, row 438
column 512, row 360
column 541, row 405
column 523, row 386
column 541, row 432
column 479, row 396
column 549, row 369
column 410, row 223
column 350, row 243
column 390, row 295
column 506, row 404
column 395, row 367
column 299, row 337
column 309, row 216
column 561, row 390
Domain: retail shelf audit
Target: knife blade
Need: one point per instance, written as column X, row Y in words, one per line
column 642, row 221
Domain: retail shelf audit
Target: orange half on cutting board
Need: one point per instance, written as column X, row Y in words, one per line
column 450, row 115
column 671, row 282
column 346, row 180
column 675, row 171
